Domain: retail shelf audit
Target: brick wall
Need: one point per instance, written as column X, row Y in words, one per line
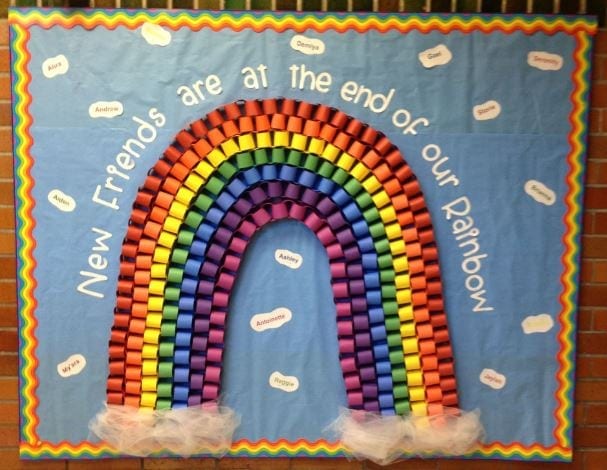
column 591, row 388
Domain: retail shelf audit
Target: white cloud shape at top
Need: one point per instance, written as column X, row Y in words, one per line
column 155, row 34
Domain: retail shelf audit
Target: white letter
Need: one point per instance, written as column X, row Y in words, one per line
column 93, row 278
column 111, row 205
column 99, row 245
column 452, row 209
column 348, row 88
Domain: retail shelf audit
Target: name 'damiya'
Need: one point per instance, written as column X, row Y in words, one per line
column 308, row 45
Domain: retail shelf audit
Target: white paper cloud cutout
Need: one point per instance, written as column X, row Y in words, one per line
column 540, row 192
column 286, row 383
column 54, row 66
column 105, row 109
column 61, row 201
column 288, row 258
column 274, row 319
column 73, row 365
column 155, row 35
column 487, row 110
column 541, row 323
column 435, row 56
column 306, row 45
column 545, row 60
column 493, row 379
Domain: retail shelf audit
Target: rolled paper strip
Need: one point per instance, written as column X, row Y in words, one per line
column 148, row 384
column 216, row 336
column 213, row 374
column 115, row 398
column 444, row 351
column 363, row 339
column 356, row 398
column 346, row 346
column 434, row 394
column 182, row 356
column 218, row 318
column 343, row 309
column 210, row 391
column 407, row 329
column 166, row 349
column 238, row 245
column 199, row 343
column 115, row 383
column 118, row 336
column 344, row 328
column 378, row 333
column 383, row 367
column 417, row 393
column 450, row 398
column 402, row 406
column 392, row 322
column 368, row 373
column 220, row 299
column 361, row 322
column 196, row 383
column 348, row 364
column 445, row 369
column 431, row 378
column 149, row 351
column 197, row 362
column 132, row 372
column 183, row 339
column 424, row 330
column 184, row 320
column 165, row 369
column 133, row 358
column 355, row 270
column 366, row 356
column 372, row 406
column 441, row 335
column 386, row 401
column 340, row 290
column 427, row 347
column 117, row 368
column 447, row 384
column 132, row 401
column 181, row 374
column 429, row 362
column 412, row 362
column 374, row 297
column 148, row 400
column 369, row 390
column 399, row 374
column 352, row 382
column 396, row 356
column 214, row 354
column 384, row 383
column 149, row 367
column 415, row 378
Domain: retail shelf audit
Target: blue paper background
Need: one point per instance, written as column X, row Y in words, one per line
column 492, row 160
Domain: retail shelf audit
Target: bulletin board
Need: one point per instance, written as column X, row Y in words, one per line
column 291, row 214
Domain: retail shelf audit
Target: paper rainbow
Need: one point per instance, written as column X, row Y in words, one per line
column 232, row 173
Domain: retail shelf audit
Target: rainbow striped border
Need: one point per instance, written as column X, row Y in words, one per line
column 21, row 19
